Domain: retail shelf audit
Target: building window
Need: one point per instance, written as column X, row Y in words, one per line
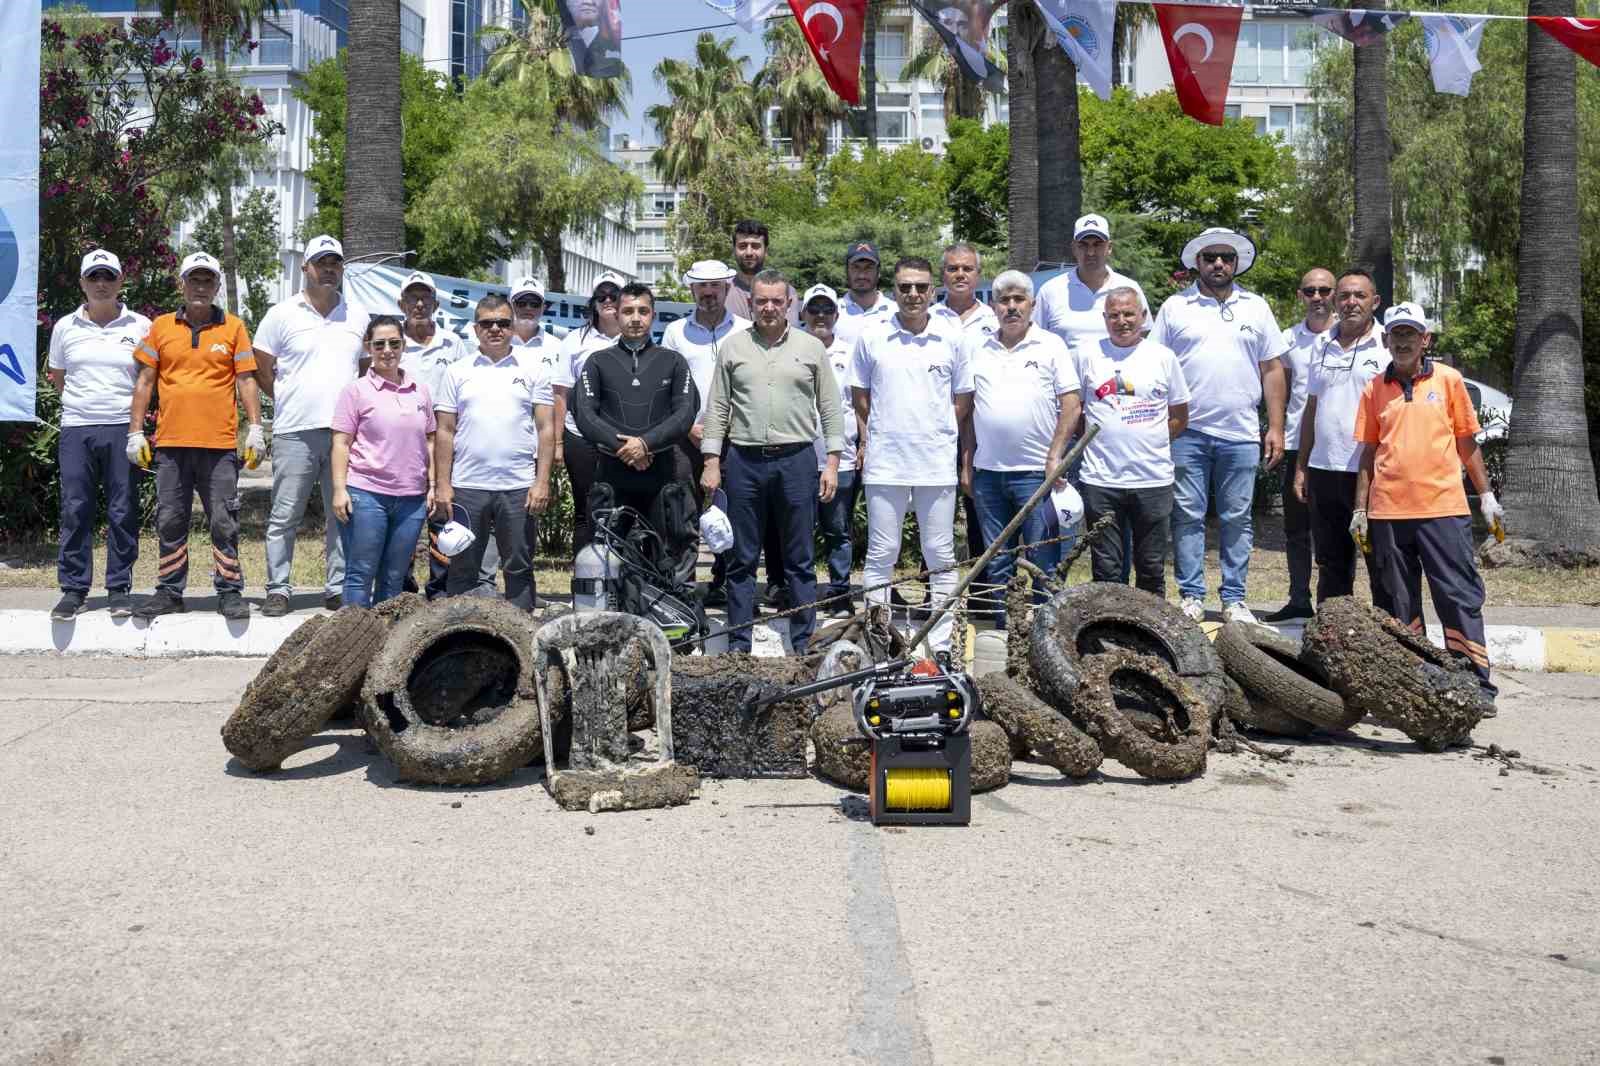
column 413, row 31
column 933, row 117
column 1280, row 121
column 891, row 53
column 1273, row 53
column 466, row 51
column 894, row 119
column 1231, row 111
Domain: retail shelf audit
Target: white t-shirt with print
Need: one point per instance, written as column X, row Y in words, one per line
column 1015, row 402
column 839, row 358
column 576, row 348
column 853, row 320
column 426, row 363
column 1221, row 348
column 914, row 379
column 496, row 443
column 1338, row 377
column 1076, row 313
column 1126, row 392
column 99, row 366
column 316, row 356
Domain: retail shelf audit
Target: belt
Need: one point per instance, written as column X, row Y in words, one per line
column 773, row 451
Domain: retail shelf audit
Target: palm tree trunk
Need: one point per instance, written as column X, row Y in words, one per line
column 1022, row 197
column 1060, row 173
column 230, row 240
column 555, row 271
column 869, row 62
column 1373, row 239
column 374, row 197
column 1550, row 490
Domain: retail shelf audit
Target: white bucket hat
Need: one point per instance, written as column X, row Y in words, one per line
column 708, row 270
column 1241, row 244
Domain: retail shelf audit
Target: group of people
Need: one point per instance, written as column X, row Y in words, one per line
column 781, row 410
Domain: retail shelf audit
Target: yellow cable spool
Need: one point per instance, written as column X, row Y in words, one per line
column 917, row 788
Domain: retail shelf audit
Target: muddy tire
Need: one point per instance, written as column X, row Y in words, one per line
column 1100, row 617
column 449, row 700
column 1400, row 679
column 398, row 607
column 317, row 670
column 1247, row 712
column 1118, row 682
column 1268, row 667
column 1037, row 727
column 844, row 756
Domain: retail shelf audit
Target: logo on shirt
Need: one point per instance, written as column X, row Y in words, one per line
column 1246, row 327
column 1157, row 392
column 1433, row 397
column 1116, row 385
column 223, row 348
column 129, row 341
column 939, row 370
column 1373, row 363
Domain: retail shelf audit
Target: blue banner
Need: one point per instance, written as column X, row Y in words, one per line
column 19, row 209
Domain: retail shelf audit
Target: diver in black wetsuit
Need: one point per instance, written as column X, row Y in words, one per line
column 635, row 401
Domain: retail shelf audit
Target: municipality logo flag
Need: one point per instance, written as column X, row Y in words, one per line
column 1083, row 28
column 751, row 15
column 1452, row 42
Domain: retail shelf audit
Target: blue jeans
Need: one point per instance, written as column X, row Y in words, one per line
column 834, row 519
column 999, row 495
column 1222, row 472
column 758, row 484
column 91, row 458
column 378, row 542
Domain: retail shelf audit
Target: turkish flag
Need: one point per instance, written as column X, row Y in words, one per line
column 1200, row 42
column 1580, row 35
column 833, row 29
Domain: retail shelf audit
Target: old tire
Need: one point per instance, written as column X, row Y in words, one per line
column 1098, row 617
column 844, row 756
column 1038, row 727
column 1268, row 668
column 449, row 700
column 1119, row 681
column 1248, row 712
column 317, row 670
column 1398, row 678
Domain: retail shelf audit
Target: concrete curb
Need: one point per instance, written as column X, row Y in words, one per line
column 1542, row 649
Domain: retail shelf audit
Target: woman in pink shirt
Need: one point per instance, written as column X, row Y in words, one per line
column 382, row 468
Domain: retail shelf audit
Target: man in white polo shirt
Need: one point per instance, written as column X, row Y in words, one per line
column 959, row 273
column 912, row 389
column 1072, row 305
column 307, row 348
column 1134, row 390
column 863, row 305
column 1230, row 348
column 493, row 452
column 835, row 516
column 92, row 368
column 1345, row 358
column 1024, row 407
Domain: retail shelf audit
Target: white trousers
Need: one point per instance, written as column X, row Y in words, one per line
column 936, row 518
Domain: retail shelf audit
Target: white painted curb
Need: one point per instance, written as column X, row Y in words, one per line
column 170, row 636
column 1510, row 647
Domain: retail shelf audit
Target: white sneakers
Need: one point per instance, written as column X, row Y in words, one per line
column 1238, row 612
column 1193, row 609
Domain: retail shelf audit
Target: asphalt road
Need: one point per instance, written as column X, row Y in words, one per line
column 1360, row 903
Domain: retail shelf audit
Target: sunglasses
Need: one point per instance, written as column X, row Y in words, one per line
column 392, row 344
column 915, row 286
column 494, row 323
column 101, row 275
column 1224, row 257
column 1316, row 290
column 528, row 301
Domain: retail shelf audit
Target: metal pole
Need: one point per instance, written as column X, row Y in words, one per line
column 1012, row 526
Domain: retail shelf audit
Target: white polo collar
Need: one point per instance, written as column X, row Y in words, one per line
column 510, row 358
column 1195, row 296
column 1029, row 339
column 722, row 327
column 123, row 317
column 310, row 308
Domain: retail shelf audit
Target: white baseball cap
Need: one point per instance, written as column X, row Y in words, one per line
column 418, row 277
column 1091, row 226
column 100, row 259
column 716, row 531
column 1405, row 314
column 1067, row 505
column 821, row 290
column 528, row 287
column 610, row 277
column 200, row 261
column 454, row 538
column 321, row 246
column 708, row 270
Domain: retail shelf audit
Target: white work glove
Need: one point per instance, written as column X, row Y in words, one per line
column 1358, row 530
column 139, row 453
column 1493, row 514
column 255, row 446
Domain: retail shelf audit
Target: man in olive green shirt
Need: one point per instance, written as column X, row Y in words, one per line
column 771, row 386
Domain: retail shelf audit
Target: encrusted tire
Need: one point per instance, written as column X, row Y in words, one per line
column 1268, row 667
column 1398, row 678
column 1117, row 682
column 317, row 670
column 844, row 756
column 1099, row 617
column 395, row 608
column 449, row 699
column 1036, row 726
column 1247, row 712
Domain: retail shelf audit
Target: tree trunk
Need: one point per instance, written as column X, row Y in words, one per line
column 1373, row 239
column 1121, row 32
column 1550, row 487
column 374, row 197
column 1060, row 174
column 869, row 63
column 555, row 271
column 1022, row 198
column 230, row 241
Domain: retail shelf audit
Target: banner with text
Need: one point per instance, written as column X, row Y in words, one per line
column 19, row 209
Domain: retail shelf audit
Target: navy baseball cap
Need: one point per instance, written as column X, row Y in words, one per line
column 860, row 250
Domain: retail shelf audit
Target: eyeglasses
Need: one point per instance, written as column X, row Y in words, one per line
column 1224, row 257
column 494, row 323
column 393, row 344
column 1316, row 290
column 915, row 286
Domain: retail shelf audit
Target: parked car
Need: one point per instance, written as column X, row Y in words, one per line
column 1494, row 410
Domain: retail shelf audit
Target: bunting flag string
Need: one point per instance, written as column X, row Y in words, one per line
column 1580, row 35
column 1201, row 68
column 1084, row 30
column 1452, row 51
column 834, row 31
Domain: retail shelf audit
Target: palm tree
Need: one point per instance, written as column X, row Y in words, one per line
column 1060, row 172
column 709, row 104
column 1373, row 237
column 1550, row 490
column 536, row 59
column 792, row 82
column 963, row 98
column 1023, row 31
column 374, row 195
column 1131, row 19
column 869, row 73
column 221, row 22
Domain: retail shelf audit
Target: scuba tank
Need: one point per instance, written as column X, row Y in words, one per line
column 596, row 578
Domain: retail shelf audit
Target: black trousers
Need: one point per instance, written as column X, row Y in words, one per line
column 92, row 458
column 214, row 474
column 503, row 513
column 763, row 485
column 1296, row 532
column 1441, row 548
column 581, row 460
column 1147, row 514
column 1331, row 496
